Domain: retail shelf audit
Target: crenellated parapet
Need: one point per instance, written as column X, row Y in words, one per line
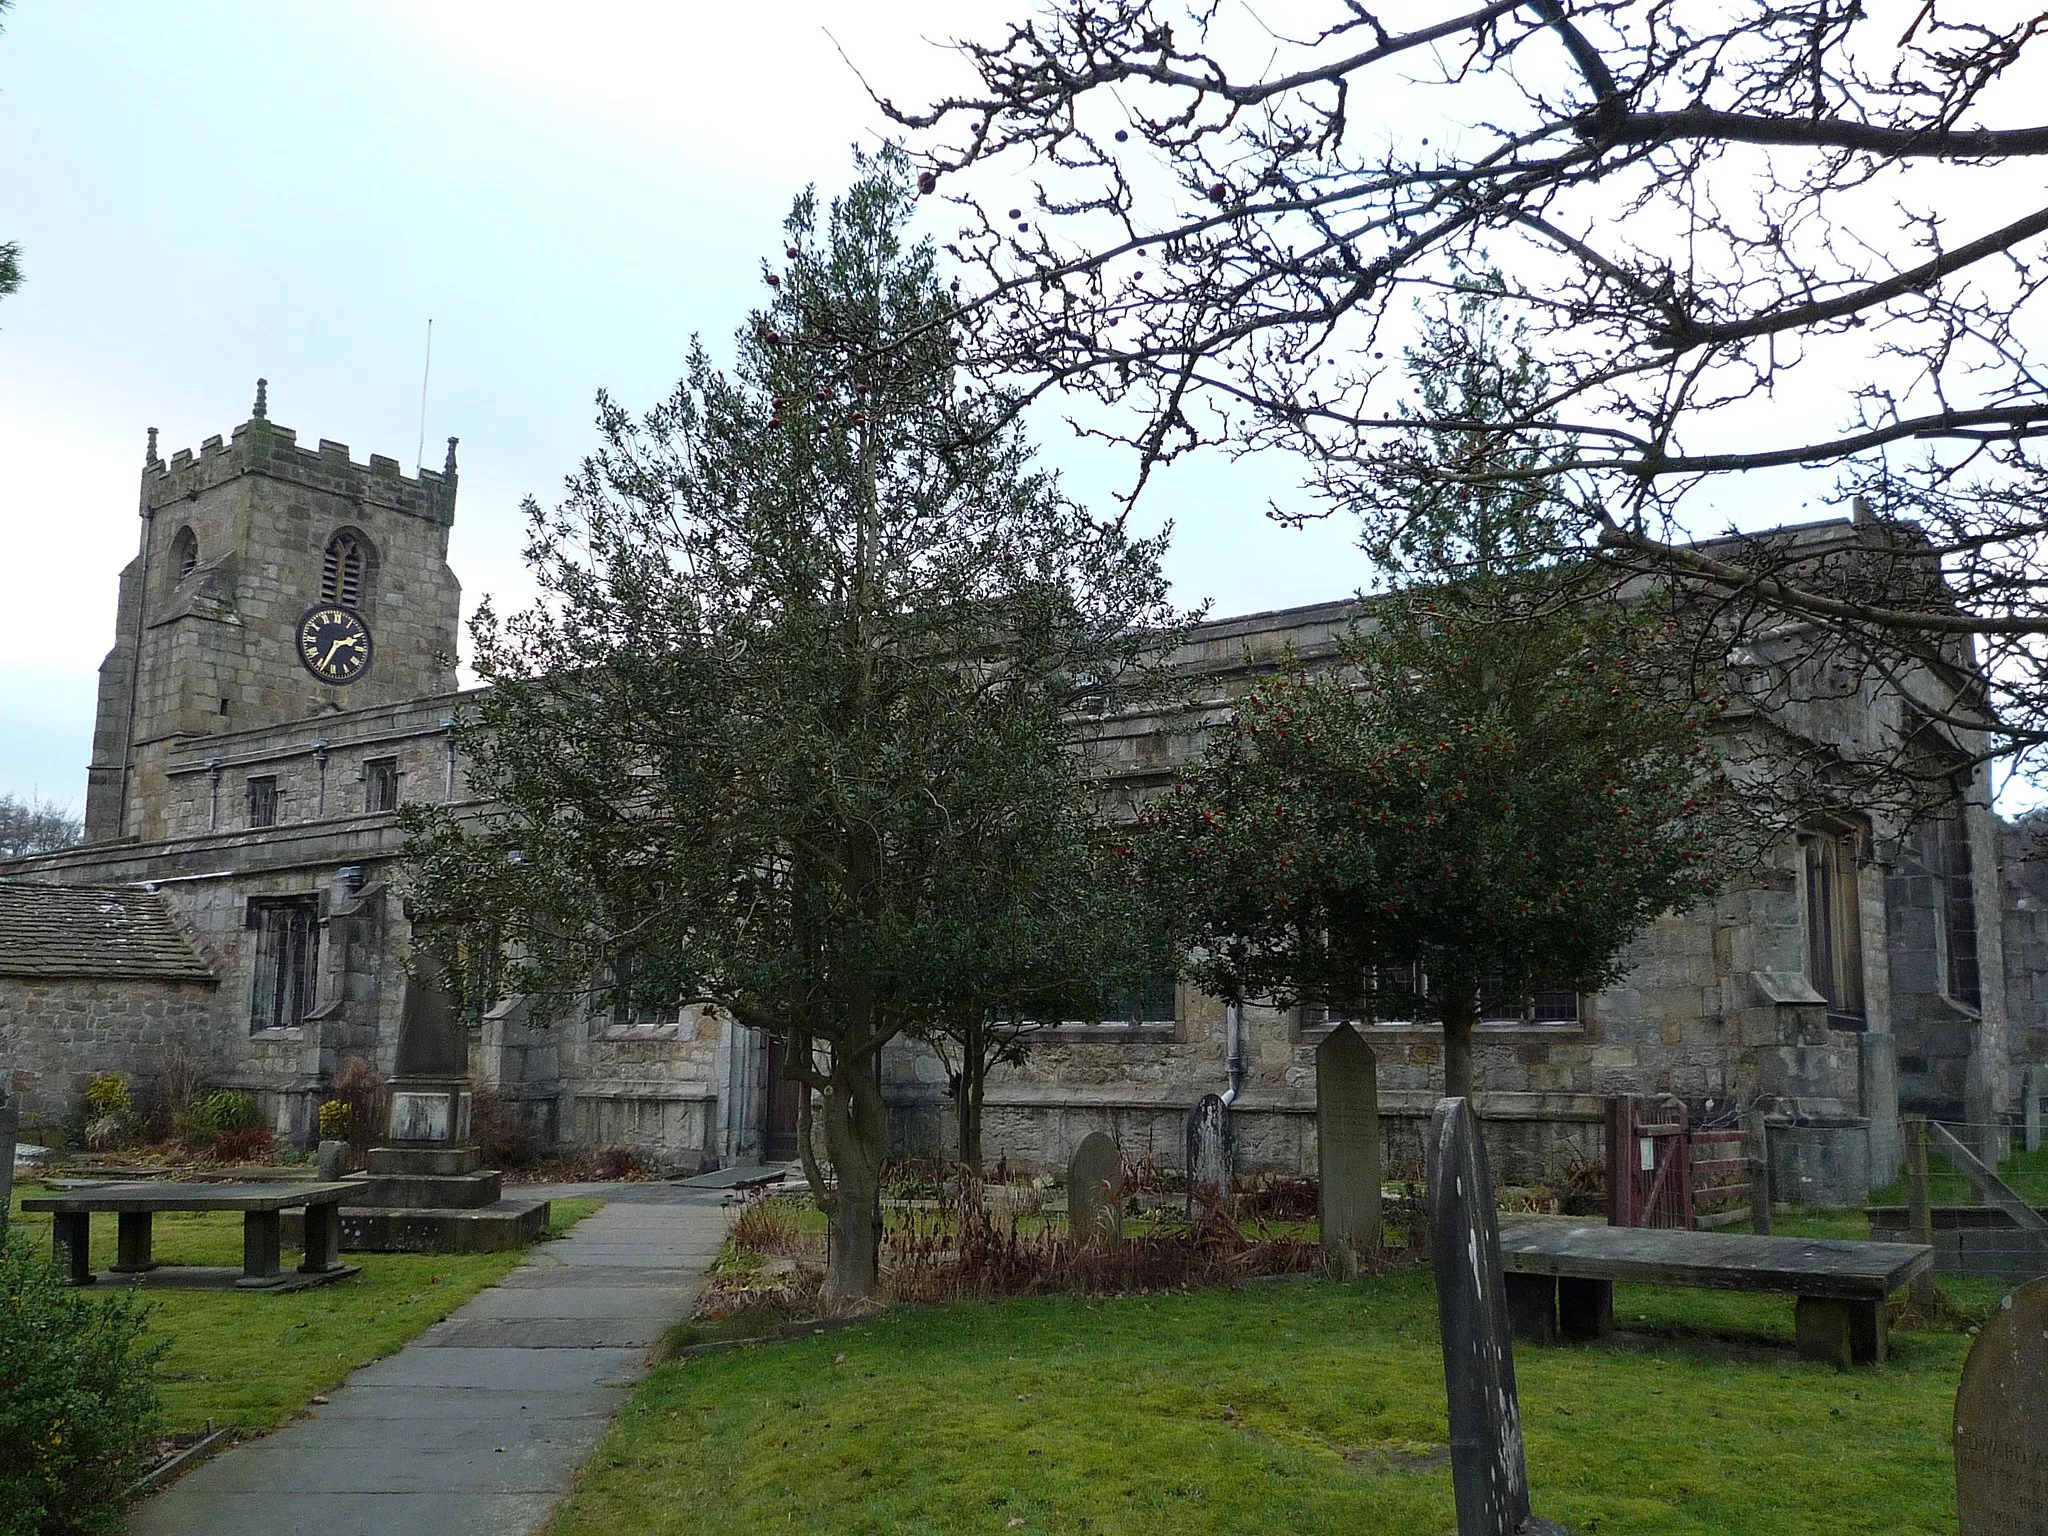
column 261, row 447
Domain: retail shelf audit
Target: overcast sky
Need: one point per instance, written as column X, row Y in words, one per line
column 206, row 193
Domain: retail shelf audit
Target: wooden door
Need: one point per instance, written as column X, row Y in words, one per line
column 780, row 1140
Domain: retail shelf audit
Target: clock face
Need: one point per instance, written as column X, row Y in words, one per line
column 334, row 643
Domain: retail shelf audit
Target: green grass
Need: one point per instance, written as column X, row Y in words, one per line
column 253, row 1359
column 1299, row 1406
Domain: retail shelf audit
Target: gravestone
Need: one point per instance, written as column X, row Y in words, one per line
column 1488, row 1474
column 2001, row 1422
column 10, row 1128
column 1212, row 1154
column 332, row 1160
column 1095, row 1192
column 2034, row 1088
column 1347, row 1150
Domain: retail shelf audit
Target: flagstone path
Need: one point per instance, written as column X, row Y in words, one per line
column 476, row 1427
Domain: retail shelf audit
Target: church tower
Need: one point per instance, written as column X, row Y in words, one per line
column 274, row 584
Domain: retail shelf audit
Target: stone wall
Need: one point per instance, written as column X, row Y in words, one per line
column 57, row 1034
column 651, row 1086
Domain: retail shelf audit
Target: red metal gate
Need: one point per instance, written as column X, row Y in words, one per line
column 1662, row 1173
column 1649, row 1163
column 1720, row 1177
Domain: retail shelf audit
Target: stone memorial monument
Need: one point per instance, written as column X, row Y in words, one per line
column 2001, row 1422
column 2033, row 1091
column 1488, row 1474
column 426, row 1189
column 1095, row 1192
column 1347, row 1150
column 1212, row 1156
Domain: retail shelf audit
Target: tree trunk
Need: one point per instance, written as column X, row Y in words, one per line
column 1461, row 1012
column 973, row 1080
column 856, row 1136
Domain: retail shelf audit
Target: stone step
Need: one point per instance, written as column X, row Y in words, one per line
column 460, row 1191
column 398, row 1229
column 443, row 1161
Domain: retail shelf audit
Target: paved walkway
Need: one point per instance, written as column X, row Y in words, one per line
column 476, row 1427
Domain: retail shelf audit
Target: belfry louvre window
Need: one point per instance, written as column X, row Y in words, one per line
column 342, row 572
column 287, row 933
column 185, row 553
column 1834, row 923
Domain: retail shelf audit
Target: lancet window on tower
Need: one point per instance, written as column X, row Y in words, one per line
column 345, row 572
column 184, row 553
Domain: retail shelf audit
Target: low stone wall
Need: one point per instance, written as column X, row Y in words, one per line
column 672, row 1130
column 58, row 1033
column 1531, row 1138
column 1968, row 1240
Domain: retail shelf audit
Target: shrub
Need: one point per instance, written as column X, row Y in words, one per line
column 506, row 1134
column 78, row 1398
column 335, row 1119
column 245, row 1146
column 108, row 1094
column 226, row 1109
column 617, row 1164
column 358, row 1086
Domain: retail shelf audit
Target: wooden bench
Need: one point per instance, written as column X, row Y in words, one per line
column 1560, row 1279
column 135, row 1205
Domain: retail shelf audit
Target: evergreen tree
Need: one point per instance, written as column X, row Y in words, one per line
column 793, row 707
column 1499, row 792
column 1506, row 780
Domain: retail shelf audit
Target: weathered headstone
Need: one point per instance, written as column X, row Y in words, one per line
column 1212, row 1155
column 1095, row 1192
column 2001, row 1422
column 332, row 1161
column 2034, row 1090
column 1488, row 1473
column 1347, row 1150
column 10, row 1128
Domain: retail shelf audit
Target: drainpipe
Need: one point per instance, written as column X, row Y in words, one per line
column 320, row 758
column 1233, row 1025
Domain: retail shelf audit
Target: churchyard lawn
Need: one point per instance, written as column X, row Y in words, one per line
column 1295, row 1405
column 254, row 1360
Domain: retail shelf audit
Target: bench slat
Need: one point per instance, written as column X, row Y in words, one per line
column 188, row 1197
column 1727, row 1261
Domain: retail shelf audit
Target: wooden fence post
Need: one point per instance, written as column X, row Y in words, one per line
column 1621, row 1152
column 1919, row 1217
column 1759, row 1173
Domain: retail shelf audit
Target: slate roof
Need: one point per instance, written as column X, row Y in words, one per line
column 90, row 931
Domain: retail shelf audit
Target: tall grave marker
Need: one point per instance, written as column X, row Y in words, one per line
column 1347, row 1150
column 10, row 1128
column 2001, row 1422
column 1488, row 1473
column 1212, row 1155
column 1095, row 1192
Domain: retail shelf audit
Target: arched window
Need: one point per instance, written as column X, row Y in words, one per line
column 184, row 553
column 348, row 570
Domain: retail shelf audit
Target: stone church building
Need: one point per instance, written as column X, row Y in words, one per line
column 282, row 680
